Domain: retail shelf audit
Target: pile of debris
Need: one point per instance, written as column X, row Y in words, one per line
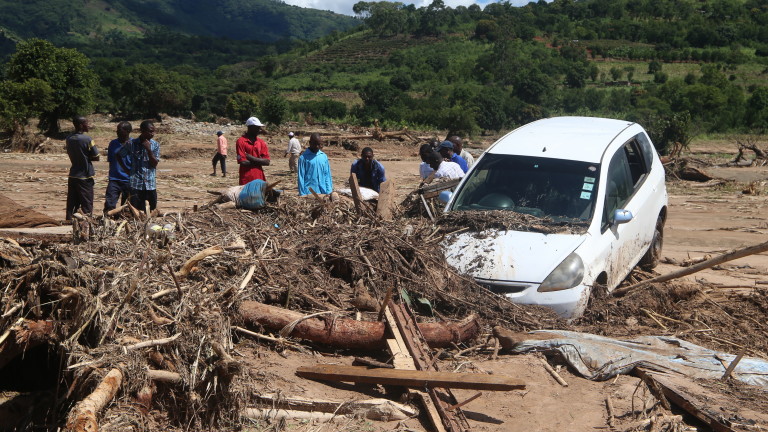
column 150, row 314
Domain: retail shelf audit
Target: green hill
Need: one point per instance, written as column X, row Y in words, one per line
column 258, row 20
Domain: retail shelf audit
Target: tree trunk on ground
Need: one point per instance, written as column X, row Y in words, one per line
column 347, row 333
column 83, row 416
column 28, row 334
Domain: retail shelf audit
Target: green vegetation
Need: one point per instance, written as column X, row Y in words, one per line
column 679, row 67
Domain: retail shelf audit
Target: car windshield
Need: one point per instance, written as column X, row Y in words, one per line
column 563, row 190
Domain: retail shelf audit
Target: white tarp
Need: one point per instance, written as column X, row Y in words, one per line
column 600, row 358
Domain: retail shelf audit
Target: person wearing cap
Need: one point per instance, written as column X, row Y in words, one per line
column 294, row 149
column 314, row 170
column 446, row 150
column 458, row 148
column 369, row 172
column 252, row 152
column 221, row 154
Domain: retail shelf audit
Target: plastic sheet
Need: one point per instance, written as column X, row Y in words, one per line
column 600, row 358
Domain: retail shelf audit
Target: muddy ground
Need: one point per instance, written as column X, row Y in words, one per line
column 702, row 220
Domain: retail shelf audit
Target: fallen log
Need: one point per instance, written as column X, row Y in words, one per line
column 83, row 416
column 347, row 333
column 23, row 336
column 730, row 256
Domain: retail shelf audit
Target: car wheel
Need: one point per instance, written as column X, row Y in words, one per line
column 651, row 258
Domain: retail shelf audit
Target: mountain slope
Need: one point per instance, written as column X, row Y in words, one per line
column 262, row 20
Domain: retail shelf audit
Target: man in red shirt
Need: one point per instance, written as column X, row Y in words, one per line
column 252, row 153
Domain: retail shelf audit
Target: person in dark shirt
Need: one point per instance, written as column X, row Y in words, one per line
column 369, row 172
column 119, row 185
column 82, row 153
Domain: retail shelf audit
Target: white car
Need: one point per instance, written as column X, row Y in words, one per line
column 601, row 177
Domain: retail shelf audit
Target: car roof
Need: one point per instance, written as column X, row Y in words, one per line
column 573, row 138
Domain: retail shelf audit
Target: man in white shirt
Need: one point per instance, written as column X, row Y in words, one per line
column 294, row 149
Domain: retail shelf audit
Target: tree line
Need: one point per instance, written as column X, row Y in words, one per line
column 465, row 69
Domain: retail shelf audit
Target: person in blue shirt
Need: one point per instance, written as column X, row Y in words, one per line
column 314, row 169
column 119, row 186
column 369, row 172
column 446, row 151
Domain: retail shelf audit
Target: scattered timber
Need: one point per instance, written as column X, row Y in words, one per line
column 411, row 379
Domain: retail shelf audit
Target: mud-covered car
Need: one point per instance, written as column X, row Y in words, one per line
column 592, row 194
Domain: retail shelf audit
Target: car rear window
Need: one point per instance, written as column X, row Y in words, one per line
column 542, row 187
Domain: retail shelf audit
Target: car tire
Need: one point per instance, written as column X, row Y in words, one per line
column 652, row 256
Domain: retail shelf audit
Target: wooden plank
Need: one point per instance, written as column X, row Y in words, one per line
column 437, row 187
column 386, row 200
column 403, row 360
column 703, row 403
column 436, row 400
column 356, row 196
column 412, row 379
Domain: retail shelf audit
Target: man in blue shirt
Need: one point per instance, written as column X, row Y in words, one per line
column 369, row 172
column 314, row 169
column 145, row 155
column 446, row 151
column 119, row 167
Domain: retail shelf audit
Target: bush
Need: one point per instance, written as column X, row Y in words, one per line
column 326, row 108
column 274, row 108
column 242, row 105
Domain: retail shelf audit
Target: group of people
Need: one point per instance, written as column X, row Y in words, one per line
column 447, row 159
column 132, row 168
column 133, row 164
column 311, row 165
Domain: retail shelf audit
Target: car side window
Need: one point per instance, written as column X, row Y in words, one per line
column 646, row 148
column 619, row 185
column 637, row 165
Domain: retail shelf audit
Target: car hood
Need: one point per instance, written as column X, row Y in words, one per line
column 509, row 255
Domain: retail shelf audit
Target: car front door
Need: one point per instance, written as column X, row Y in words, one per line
column 627, row 172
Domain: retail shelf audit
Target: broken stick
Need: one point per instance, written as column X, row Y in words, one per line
column 730, row 256
column 192, row 262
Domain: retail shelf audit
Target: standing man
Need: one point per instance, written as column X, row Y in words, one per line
column 221, row 154
column 145, row 155
column 82, row 153
column 119, row 185
column 446, row 151
column 369, row 172
column 314, row 168
column 294, row 149
column 252, row 152
column 458, row 147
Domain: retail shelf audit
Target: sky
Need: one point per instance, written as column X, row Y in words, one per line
column 345, row 6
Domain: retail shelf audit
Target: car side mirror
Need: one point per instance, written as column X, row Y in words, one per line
column 445, row 196
column 621, row 216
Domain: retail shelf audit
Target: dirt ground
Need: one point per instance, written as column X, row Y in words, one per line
column 701, row 221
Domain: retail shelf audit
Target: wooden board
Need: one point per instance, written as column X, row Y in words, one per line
column 412, row 379
column 356, row 196
column 386, row 200
column 712, row 408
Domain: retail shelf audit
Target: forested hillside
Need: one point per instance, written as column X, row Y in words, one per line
column 64, row 22
column 677, row 66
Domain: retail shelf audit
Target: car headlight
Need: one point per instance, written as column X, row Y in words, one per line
column 568, row 274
